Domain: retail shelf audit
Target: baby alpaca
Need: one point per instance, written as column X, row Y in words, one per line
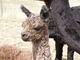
column 13, row 53
column 36, row 31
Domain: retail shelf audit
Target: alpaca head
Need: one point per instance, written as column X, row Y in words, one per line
column 33, row 28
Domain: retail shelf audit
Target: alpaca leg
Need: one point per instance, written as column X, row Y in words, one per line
column 59, row 50
column 70, row 54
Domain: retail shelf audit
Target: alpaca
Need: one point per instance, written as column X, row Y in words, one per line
column 53, row 34
column 13, row 53
column 36, row 31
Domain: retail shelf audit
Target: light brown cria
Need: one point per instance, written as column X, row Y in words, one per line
column 13, row 53
column 35, row 30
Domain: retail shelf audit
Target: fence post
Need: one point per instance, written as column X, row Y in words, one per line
column 1, row 2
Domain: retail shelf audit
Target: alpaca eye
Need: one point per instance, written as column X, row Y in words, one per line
column 38, row 28
column 45, row 15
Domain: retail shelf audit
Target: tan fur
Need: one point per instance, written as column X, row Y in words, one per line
column 30, row 24
column 39, row 39
column 13, row 53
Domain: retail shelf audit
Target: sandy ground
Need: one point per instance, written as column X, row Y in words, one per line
column 10, row 34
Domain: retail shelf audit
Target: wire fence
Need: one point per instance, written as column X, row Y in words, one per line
column 11, row 8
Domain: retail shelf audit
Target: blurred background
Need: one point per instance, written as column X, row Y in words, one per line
column 11, row 8
column 11, row 18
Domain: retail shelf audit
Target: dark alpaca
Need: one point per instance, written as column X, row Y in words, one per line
column 53, row 33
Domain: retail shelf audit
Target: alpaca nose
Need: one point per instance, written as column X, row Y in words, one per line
column 24, row 36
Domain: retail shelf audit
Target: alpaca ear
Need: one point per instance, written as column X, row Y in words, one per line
column 44, row 14
column 26, row 11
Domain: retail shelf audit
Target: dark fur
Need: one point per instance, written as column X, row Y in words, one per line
column 53, row 33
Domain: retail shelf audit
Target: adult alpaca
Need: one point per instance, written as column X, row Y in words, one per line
column 36, row 31
column 54, row 33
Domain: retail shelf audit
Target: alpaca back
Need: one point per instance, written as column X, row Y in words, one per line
column 13, row 53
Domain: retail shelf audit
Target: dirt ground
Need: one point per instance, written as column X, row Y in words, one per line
column 10, row 34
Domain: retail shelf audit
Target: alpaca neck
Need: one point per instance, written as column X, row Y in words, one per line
column 41, row 49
